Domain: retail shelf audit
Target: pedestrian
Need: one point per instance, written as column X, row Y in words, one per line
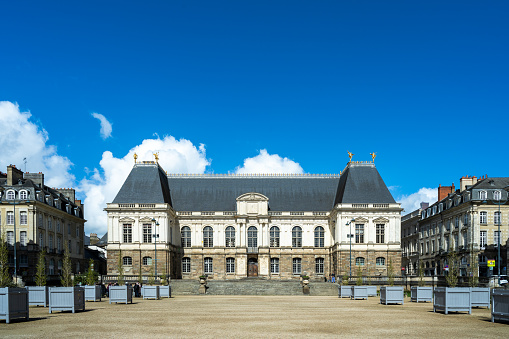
column 333, row 278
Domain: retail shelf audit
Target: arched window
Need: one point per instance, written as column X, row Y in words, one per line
column 230, row 265
column 147, row 261
column 497, row 195
column 207, row 265
column 208, row 237
column 274, row 237
column 359, row 261
column 297, row 265
column 296, row 236
column 230, row 236
column 23, row 195
column 319, row 236
column 127, row 261
column 319, row 265
column 186, row 265
column 186, row 236
column 380, row 261
column 252, row 237
column 11, row 195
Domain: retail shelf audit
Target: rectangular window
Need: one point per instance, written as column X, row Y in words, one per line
column 230, row 265
column 186, row 265
column 274, row 265
column 41, row 239
column 359, row 233
column 59, row 244
column 23, row 238
column 23, row 218
column 456, row 242
column 23, row 260
column 10, row 238
column 380, row 233
column 432, row 246
column 483, row 217
column 50, row 226
column 147, row 233
column 10, row 218
column 50, row 242
column 77, row 231
column 297, row 266
column 496, row 219
column 483, row 239
column 457, row 222
column 69, row 246
column 69, row 229
column 496, row 237
column 319, row 265
column 128, row 233
column 207, row 265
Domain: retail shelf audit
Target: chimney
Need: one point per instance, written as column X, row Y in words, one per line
column 13, row 175
column 69, row 193
column 443, row 191
column 94, row 239
column 37, row 178
column 424, row 205
column 467, row 181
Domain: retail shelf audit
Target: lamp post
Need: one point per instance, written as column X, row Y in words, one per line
column 350, row 235
column 156, row 235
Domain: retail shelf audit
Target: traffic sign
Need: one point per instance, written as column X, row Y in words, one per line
column 491, row 263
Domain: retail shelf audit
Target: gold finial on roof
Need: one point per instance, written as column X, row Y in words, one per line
column 156, row 155
column 373, row 155
column 350, row 155
column 135, row 157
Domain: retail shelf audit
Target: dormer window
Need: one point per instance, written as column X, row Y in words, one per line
column 11, row 195
column 497, row 195
column 23, row 195
column 440, row 207
column 434, row 210
column 483, row 195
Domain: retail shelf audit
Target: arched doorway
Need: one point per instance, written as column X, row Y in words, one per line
column 252, row 267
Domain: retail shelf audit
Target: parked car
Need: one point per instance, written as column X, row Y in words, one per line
column 503, row 280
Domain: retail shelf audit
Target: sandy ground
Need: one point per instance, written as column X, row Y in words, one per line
column 255, row 317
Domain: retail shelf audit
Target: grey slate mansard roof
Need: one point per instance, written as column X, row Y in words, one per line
column 358, row 184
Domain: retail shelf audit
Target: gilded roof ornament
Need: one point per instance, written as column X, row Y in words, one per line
column 373, row 155
column 135, row 157
column 156, row 155
column 350, row 155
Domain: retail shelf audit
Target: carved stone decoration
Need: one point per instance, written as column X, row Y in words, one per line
column 252, row 203
column 381, row 220
column 126, row 219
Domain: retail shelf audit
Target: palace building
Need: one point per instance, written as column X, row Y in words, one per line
column 272, row 226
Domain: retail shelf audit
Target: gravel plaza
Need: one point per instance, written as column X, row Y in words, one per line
column 255, row 316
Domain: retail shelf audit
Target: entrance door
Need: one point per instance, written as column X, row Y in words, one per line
column 252, row 267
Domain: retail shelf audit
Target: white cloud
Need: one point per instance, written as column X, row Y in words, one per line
column 20, row 138
column 106, row 128
column 268, row 163
column 413, row 201
column 175, row 156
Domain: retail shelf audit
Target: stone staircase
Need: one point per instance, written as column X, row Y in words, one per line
column 252, row 286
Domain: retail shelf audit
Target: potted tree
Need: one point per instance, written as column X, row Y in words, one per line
column 92, row 290
column 68, row 297
column 38, row 295
column 151, row 290
column 165, row 288
column 359, row 291
column 500, row 305
column 452, row 298
column 391, row 294
column 479, row 296
column 421, row 292
column 344, row 290
column 372, row 289
column 121, row 293
column 13, row 300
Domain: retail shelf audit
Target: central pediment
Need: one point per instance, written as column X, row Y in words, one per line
column 252, row 204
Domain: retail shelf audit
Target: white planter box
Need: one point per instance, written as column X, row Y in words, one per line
column 38, row 296
column 66, row 299
column 344, row 291
column 120, row 294
column 392, row 295
column 13, row 303
column 359, row 292
column 480, row 296
column 421, row 293
column 500, row 305
column 92, row 292
column 165, row 291
column 455, row 299
column 150, row 292
column 372, row 291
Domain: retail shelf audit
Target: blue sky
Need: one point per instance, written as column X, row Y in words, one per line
column 423, row 84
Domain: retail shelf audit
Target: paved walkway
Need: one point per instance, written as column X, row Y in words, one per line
column 256, row 317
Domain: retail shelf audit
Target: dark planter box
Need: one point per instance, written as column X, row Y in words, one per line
column 480, row 296
column 500, row 305
column 344, row 291
column 359, row 292
column 372, row 291
column 92, row 293
column 421, row 293
column 38, row 295
column 13, row 303
column 66, row 299
column 392, row 295
column 121, row 294
column 165, row 291
column 150, row 292
column 452, row 299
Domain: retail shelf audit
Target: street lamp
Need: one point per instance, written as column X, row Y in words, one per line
column 350, row 235
column 156, row 235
